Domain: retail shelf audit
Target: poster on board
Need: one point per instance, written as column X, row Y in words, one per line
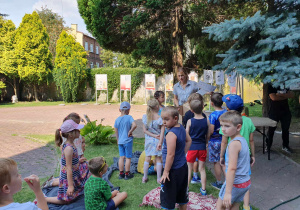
column 169, row 82
column 150, row 81
column 193, row 76
column 125, row 82
column 208, row 76
column 220, row 78
column 205, row 88
column 101, row 81
column 231, row 79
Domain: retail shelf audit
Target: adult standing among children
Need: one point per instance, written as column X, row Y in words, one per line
column 280, row 111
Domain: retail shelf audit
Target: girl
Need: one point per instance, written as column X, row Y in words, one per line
column 70, row 182
column 154, row 131
column 160, row 97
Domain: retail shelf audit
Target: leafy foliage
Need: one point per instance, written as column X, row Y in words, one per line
column 97, row 134
column 70, row 64
column 2, row 86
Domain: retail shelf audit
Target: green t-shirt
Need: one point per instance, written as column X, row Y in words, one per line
column 247, row 128
column 96, row 193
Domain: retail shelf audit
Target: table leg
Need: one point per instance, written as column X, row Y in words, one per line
column 268, row 145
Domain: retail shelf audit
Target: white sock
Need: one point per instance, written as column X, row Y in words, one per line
column 159, row 170
column 219, row 182
column 146, row 167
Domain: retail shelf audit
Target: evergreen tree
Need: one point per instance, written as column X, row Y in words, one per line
column 266, row 45
column 32, row 51
column 70, row 64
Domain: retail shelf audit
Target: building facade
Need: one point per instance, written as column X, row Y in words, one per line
column 90, row 45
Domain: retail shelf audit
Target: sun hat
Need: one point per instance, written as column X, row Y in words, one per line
column 70, row 125
column 125, row 105
column 233, row 102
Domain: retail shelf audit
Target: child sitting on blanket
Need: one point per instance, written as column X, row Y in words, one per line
column 11, row 183
column 97, row 192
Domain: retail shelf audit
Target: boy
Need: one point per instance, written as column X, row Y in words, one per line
column 214, row 144
column 198, row 129
column 188, row 115
column 11, row 183
column 97, row 191
column 237, row 163
column 175, row 176
column 124, row 126
column 235, row 102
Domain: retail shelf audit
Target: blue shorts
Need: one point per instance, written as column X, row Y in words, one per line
column 214, row 147
column 237, row 194
column 110, row 205
column 126, row 149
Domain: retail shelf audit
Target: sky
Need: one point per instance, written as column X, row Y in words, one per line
column 16, row 9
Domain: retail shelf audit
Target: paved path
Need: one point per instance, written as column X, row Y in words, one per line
column 273, row 181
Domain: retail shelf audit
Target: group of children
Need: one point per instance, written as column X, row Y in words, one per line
column 176, row 149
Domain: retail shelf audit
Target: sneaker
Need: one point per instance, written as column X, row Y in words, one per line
column 249, row 208
column 129, row 176
column 144, row 180
column 121, row 176
column 287, row 149
column 203, row 192
column 195, row 180
column 216, row 185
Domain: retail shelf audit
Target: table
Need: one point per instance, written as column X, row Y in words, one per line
column 263, row 122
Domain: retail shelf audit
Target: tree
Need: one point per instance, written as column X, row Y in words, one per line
column 266, row 45
column 32, row 51
column 54, row 24
column 8, row 64
column 70, row 64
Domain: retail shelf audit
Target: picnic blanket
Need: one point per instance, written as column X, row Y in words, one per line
column 196, row 200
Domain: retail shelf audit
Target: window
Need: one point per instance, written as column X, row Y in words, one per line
column 97, row 64
column 86, row 46
column 97, row 50
column 92, row 65
column 91, row 48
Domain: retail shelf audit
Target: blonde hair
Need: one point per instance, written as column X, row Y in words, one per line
column 95, row 165
column 172, row 110
column 6, row 164
column 151, row 104
column 196, row 106
column 195, row 96
column 233, row 117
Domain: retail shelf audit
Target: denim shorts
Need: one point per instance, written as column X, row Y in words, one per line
column 126, row 149
column 110, row 205
column 237, row 194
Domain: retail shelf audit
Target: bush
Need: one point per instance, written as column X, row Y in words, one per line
column 294, row 105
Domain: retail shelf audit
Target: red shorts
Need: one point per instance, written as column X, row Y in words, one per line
column 193, row 154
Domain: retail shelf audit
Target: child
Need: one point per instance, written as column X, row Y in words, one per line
column 11, row 183
column 235, row 102
column 188, row 115
column 160, row 97
column 198, row 129
column 97, row 194
column 154, row 131
column 70, row 181
column 214, row 144
column 124, row 126
column 237, row 163
column 175, row 175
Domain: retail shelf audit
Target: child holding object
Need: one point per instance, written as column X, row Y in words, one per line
column 97, row 194
column 175, row 176
column 198, row 128
column 124, row 126
column 154, row 131
column 70, row 181
column 11, row 183
column 237, row 163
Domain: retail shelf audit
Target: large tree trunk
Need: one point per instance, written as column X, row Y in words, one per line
column 266, row 101
column 35, row 93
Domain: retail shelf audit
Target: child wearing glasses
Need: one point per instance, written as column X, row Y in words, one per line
column 97, row 193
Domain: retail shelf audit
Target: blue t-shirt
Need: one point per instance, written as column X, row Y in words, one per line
column 179, row 158
column 198, row 132
column 123, row 125
column 214, row 120
column 18, row 206
column 183, row 94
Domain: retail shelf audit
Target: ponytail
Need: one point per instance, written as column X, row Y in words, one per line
column 151, row 104
column 58, row 138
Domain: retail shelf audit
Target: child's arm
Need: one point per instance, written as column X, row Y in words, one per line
column 233, row 150
column 161, row 138
column 117, row 135
column 149, row 133
column 68, row 154
column 34, row 184
column 211, row 129
column 208, row 131
column 252, row 149
column 133, row 127
column 223, row 148
column 188, row 126
column 114, row 193
column 188, row 142
column 171, row 139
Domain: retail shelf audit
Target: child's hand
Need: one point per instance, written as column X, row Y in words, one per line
column 158, row 146
column 252, row 161
column 227, row 200
column 129, row 133
column 164, row 177
column 157, row 136
column 70, row 191
column 82, row 159
column 222, row 161
column 114, row 193
column 33, row 182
